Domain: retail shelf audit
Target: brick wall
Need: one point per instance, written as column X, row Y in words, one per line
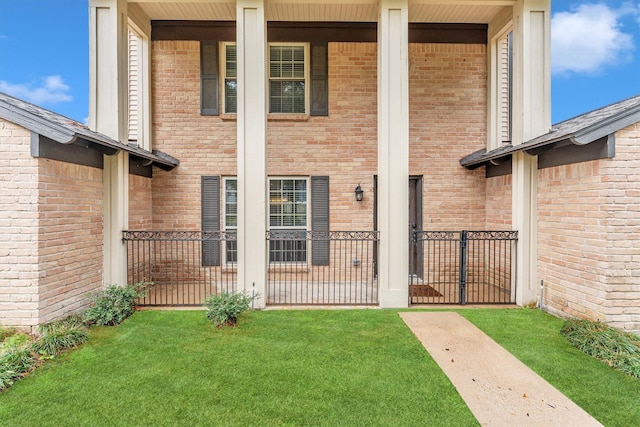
column 140, row 203
column 572, row 239
column 50, row 233
column 447, row 87
column 448, row 94
column 623, row 221
column 589, row 234
column 70, row 237
column 18, row 228
column 498, row 203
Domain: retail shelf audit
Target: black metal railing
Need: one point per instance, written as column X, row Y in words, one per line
column 322, row 267
column 305, row 267
column 460, row 267
column 184, row 267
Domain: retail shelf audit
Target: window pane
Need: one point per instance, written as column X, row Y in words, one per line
column 231, row 61
column 230, row 203
column 288, row 203
column 287, row 96
column 231, row 96
column 287, row 250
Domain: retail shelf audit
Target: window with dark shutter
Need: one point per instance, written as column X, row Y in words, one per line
column 210, row 201
column 320, row 218
column 319, row 79
column 209, row 78
column 288, row 86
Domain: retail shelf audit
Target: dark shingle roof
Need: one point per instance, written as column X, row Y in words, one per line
column 580, row 130
column 66, row 131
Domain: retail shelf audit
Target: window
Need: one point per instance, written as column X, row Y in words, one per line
column 230, row 78
column 295, row 206
column 298, row 78
column 287, row 78
column 231, row 217
column 288, row 212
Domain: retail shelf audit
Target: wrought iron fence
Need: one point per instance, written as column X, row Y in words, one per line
column 322, row 267
column 305, row 267
column 459, row 267
column 185, row 267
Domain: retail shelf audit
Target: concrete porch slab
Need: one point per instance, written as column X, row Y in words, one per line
column 498, row 388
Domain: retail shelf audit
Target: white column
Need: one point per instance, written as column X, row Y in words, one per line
column 251, row 39
column 531, row 117
column 108, row 115
column 393, row 153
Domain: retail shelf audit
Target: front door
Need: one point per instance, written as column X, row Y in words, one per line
column 414, row 224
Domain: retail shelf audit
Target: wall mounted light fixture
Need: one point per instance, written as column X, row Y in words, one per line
column 359, row 192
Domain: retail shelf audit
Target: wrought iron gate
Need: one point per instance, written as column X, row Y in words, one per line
column 460, row 267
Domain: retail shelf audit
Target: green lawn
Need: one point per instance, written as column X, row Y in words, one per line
column 359, row 367
column 612, row 397
column 337, row 367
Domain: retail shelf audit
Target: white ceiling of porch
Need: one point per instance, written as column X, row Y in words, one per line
column 452, row 11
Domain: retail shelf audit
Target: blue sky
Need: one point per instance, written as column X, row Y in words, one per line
column 44, row 52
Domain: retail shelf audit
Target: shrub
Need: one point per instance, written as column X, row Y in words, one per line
column 14, row 362
column 616, row 348
column 114, row 304
column 16, row 341
column 59, row 336
column 224, row 309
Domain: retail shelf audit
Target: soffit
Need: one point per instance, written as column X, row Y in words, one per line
column 446, row 11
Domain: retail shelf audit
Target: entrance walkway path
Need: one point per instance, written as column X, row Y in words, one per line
column 498, row 388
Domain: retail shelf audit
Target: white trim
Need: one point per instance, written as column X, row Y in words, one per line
column 222, row 66
column 307, row 202
column 223, row 213
column 307, row 66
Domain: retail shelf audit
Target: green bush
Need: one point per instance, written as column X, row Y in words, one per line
column 616, row 348
column 14, row 362
column 61, row 335
column 114, row 304
column 16, row 341
column 224, row 309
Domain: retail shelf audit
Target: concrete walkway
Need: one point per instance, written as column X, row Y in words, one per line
column 498, row 388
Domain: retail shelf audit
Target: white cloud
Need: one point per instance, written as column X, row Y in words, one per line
column 589, row 37
column 50, row 91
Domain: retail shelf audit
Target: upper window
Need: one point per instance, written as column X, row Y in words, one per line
column 230, row 67
column 287, row 78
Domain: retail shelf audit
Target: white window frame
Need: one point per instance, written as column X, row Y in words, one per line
column 224, row 78
column 307, row 74
column 305, row 79
column 223, row 211
column 301, row 228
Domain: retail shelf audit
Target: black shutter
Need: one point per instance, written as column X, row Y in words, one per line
column 210, row 200
column 319, row 79
column 209, row 78
column 320, row 218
